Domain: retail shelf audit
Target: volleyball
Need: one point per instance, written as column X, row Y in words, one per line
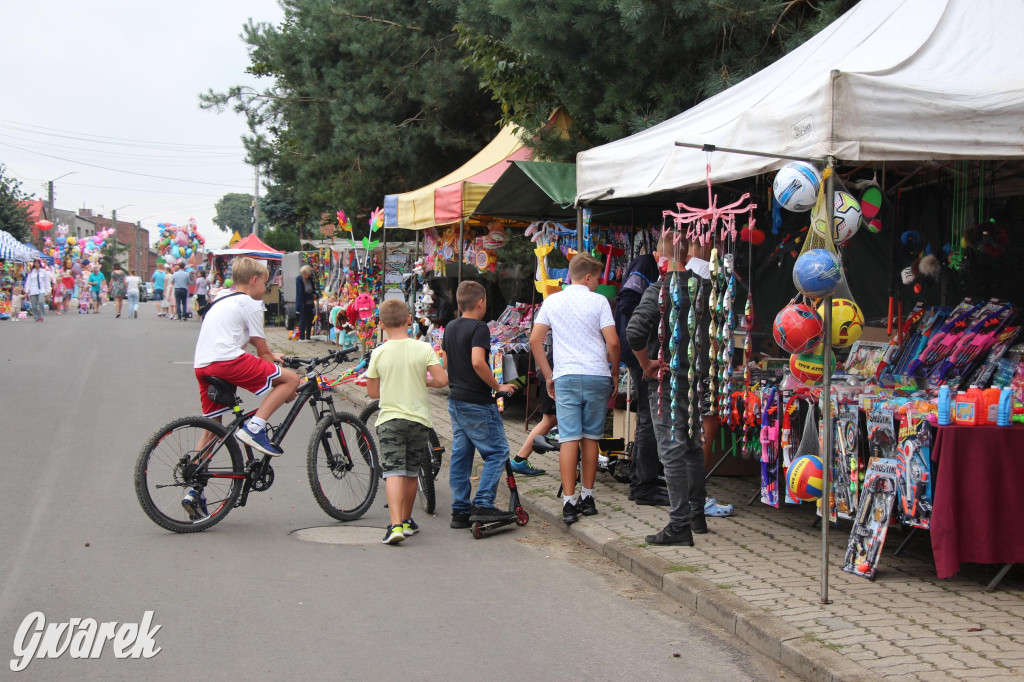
column 796, row 186
column 808, row 368
column 847, row 322
column 804, row 478
column 817, row 273
column 798, row 328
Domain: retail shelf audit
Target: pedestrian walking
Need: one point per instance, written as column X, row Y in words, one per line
column 67, row 280
column 132, row 283
column 181, row 279
column 202, row 288
column 305, row 300
column 37, row 287
column 396, row 377
column 117, row 287
column 158, row 278
column 96, row 282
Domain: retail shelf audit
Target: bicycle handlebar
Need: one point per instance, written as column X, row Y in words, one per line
column 333, row 356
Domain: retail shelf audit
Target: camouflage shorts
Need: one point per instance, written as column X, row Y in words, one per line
column 403, row 445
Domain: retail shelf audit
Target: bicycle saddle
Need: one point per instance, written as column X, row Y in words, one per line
column 542, row 444
column 220, row 391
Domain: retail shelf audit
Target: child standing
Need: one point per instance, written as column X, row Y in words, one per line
column 476, row 421
column 585, row 344
column 395, row 377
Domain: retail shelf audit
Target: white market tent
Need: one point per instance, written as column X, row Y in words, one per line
column 890, row 80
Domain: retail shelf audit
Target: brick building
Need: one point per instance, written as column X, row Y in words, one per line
column 135, row 241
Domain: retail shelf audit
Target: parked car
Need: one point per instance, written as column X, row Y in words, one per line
column 146, row 291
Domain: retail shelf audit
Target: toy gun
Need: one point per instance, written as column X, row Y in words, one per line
column 941, row 344
column 978, row 339
column 769, row 439
column 498, row 371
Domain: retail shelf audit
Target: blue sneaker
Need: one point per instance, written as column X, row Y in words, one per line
column 194, row 504
column 393, row 535
column 259, row 440
column 410, row 527
column 524, row 468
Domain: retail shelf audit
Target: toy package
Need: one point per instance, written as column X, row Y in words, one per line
column 871, row 523
column 915, row 473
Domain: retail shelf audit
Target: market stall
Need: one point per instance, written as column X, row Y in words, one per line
column 895, row 100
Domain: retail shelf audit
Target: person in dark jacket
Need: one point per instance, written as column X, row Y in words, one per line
column 682, row 456
column 641, row 272
column 305, row 300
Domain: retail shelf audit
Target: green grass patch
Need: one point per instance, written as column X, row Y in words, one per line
column 684, row 568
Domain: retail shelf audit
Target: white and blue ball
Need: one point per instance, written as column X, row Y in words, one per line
column 817, row 273
column 796, row 186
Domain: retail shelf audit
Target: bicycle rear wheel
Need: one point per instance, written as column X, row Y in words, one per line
column 429, row 469
column 165, row 471
column 342, row 465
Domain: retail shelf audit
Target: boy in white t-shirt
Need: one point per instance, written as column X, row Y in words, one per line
column 228, row 327
column 585, row 375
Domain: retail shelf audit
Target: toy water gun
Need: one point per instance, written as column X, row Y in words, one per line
column 942, row 343
column 979, row 338
column 769, row 439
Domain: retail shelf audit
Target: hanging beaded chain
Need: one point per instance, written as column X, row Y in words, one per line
column 716, row 315
column 691, row 352
column 725, row 337
column 676, row 324
column 662, row 309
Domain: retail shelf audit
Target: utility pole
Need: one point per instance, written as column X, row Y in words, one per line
column 256, row 204
column 50, row 199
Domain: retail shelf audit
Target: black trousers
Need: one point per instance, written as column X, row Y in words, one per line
column 305, row 321
column 646, row 467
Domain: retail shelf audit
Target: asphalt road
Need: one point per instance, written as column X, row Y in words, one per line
column 247, row 600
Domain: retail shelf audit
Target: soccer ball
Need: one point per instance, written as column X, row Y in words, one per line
column 817, row 273
column 847, row 216
column 798, row 328
column 847, row 322
column 808, row 368
column 796, row 186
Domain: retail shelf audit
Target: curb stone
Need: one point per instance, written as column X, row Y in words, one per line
column 763, row 632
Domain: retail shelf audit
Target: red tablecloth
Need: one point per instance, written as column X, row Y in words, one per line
column 978, row 514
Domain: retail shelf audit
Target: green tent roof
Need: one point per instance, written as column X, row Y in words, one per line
column 532, row 190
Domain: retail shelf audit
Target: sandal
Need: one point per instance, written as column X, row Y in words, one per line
column 712, row 508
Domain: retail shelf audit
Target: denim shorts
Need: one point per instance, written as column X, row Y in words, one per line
column 581, row 403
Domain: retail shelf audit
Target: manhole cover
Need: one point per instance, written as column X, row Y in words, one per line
column 339, row 535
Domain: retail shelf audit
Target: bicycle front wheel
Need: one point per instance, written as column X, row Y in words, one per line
column 189, row 453
column 342, row 465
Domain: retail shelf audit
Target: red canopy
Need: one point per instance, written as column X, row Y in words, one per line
column 254, row 243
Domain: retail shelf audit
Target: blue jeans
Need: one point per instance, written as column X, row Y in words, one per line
column 476, row 427
column 581, row 403
column 181, row 302
column 133, row 303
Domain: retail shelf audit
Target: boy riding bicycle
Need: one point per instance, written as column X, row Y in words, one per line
column 232, row 322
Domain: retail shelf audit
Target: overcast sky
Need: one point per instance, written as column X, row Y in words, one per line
column 114, row 83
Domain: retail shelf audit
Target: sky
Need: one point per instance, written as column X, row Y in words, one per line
column 115, row 83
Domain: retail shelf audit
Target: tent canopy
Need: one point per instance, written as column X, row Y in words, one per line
column 890, row 80
column 455, row 196
column 251, row 246
column 532, row 190
column 12, row 249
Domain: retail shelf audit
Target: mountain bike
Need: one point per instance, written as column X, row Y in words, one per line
column 429, row 469
column 201, row 456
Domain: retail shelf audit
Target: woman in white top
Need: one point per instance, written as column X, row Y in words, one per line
column 132, row 283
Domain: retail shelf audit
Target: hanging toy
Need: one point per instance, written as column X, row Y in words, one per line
column 676, row 330
column 691, row 352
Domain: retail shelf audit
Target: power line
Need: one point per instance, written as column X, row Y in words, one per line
column 27, row 127
column 190, row 156
column 118, row 170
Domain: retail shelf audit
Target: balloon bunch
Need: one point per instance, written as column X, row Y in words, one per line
column 66, row 249
column 178, row 242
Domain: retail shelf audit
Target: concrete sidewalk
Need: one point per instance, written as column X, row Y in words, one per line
column 757, row 573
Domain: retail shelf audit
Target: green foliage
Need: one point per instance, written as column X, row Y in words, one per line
column 282, row 239
column 234, row 213
column 13, row 217
column 621, row 66
column 366, row 97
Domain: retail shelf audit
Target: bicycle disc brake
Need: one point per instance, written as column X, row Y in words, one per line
column 261, row 479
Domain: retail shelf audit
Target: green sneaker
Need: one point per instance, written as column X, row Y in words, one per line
column 393, row 535
column 410, row 527
column 524, row 468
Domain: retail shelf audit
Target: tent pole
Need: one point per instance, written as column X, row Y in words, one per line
column 826, row 402
column 579, row 229
column 462, row 227
column 712, row 148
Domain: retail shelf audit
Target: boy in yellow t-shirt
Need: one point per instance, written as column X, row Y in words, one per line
column 395, row 376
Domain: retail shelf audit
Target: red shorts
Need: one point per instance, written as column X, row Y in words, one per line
column 246, row 371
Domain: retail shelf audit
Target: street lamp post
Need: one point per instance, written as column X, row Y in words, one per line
column 50, row 190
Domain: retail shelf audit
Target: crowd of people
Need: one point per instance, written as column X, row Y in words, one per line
column 575, row 328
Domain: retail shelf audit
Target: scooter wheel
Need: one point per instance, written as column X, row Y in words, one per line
column 477, row 530
column 522, row 517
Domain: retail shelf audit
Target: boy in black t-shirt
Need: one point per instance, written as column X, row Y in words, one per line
column 476, row 421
